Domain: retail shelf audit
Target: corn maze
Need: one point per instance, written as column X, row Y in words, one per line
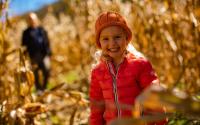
column 166, row 31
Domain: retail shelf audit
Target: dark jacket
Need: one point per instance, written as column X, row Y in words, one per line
column 36, row 42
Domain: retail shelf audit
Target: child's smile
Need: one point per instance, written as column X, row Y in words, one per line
column 114, row 50
column 113, row 42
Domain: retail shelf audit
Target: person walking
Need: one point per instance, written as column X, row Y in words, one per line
column 36, row 41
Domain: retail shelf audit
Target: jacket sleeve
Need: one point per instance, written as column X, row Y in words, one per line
column 146, row 74
column 146, row 77
column 47, row 46
column 48, row 50
column 24, row 39
column 96, row 102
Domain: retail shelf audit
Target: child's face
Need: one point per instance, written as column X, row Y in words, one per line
column 113, row 42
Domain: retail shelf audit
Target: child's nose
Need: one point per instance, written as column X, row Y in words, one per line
column 112, row 42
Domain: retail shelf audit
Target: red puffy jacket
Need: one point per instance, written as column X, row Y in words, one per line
column 113, row 93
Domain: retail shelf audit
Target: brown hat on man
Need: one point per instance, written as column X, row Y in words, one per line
column 110, row 19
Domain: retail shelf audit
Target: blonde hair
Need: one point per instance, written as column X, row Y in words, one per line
column 130, row 49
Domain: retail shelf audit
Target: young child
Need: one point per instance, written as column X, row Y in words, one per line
column 120, row 76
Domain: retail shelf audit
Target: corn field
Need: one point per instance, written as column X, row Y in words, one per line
column 167, row 32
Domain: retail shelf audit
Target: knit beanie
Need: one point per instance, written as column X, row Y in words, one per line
column 110, row 19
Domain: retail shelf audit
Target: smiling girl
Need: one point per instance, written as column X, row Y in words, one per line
column 120, row 76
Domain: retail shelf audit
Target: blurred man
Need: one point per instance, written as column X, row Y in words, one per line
column 36, row 41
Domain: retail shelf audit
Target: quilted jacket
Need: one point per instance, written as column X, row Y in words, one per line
column 113, row 90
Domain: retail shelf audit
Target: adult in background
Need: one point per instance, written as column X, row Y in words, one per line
column 36, row 41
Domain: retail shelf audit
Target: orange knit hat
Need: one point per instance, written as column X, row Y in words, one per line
column 110, row 19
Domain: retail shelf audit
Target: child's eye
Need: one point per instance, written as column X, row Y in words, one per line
column 105, row 39
column 117, row 37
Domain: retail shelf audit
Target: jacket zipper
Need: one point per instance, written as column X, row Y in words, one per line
column 114, row 77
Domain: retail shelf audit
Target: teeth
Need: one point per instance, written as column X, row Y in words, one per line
column 113, row 50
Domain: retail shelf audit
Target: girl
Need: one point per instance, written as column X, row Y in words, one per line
column 120, row 76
